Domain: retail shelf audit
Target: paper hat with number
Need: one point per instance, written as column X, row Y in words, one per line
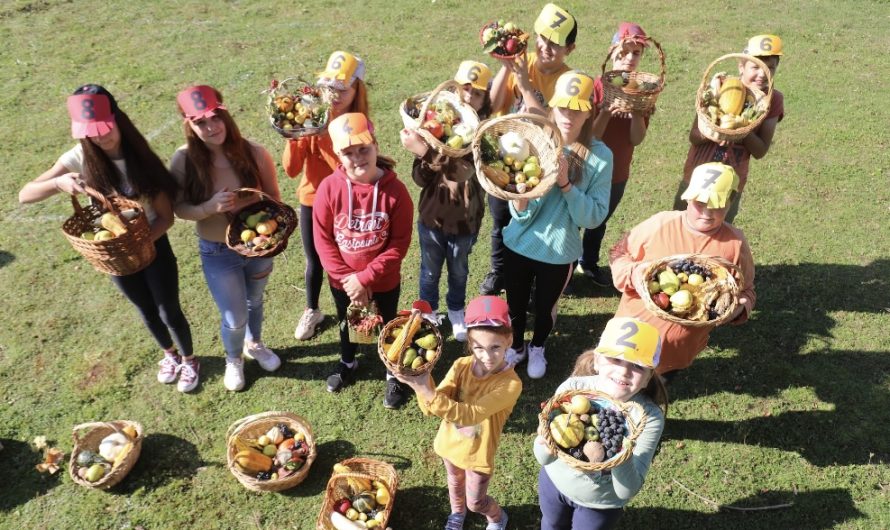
column 712, row 184
column 554, row 24
column 574, row 91
column 487, row 311
column 763, row 45
column 473, row 73
column 352, row 128
column 342, row 69
column 199, row 102
column 632, row 340
column 628, row 31
column 90, row 115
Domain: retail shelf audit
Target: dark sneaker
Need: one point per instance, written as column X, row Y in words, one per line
column 342, row 377
column 569, row 289
column 493, row 284
column 600, row 276
column 396, row 394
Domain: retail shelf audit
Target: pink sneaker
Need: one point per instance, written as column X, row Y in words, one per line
column 169, row 367
column 188, row 374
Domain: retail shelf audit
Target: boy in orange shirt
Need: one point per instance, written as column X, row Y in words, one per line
column 700, row 229
column 767, row 48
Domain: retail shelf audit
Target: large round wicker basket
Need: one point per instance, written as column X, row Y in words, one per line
column 254, row 426
column 545, row 142
column 88, row 436
column 397, row 367
column 635, row 421
column 448, row 91
column 338, row 487
column 285, row 216
column 762, row 102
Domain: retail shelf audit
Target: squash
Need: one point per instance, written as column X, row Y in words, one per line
column 567, row 430
column 364, row 502
column 112, row 444
column 251, row 461
column 732, row 96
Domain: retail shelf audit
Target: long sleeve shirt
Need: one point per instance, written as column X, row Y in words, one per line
column 314, row 157
column 617, row 487
column 473, row 411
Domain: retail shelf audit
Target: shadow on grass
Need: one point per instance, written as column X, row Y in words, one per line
column 22, row 482
column 428, row 507
column 812, row 510
column 164, row 458
column 6, row 258
column 776, row 352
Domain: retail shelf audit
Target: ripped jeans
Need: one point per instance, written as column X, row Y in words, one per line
column 236, row 284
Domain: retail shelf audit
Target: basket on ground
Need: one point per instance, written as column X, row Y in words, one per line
column 713, row 296
column 543, row 141
column 575, row 429
column 121, row 255
column 343, row 485
column 260, row 229
column 298, row 108
column 759, row 103
column 463, row 119
column 410, row 345
column 88, row 436
column 363, row 323
column 244, row 435
column 635, row 91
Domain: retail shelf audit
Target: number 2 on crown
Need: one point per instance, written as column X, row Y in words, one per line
column 632, row 330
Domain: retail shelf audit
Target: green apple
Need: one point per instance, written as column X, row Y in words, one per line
column 681, row 300
column 533, row 181
column 531, row 169
column 695, row 279
column 654, row 287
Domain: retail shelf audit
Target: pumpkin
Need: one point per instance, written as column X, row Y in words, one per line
column 567, row 430
column 364, row 502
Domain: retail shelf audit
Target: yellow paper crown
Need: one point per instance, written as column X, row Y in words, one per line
column 554, row 24
column 712, row 183
column 763, row 45
column 632, row 340
column 342, row 67
column 573, row 90
column 476, row 74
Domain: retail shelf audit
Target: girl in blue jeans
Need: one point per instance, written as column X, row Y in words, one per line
column 451, row 205
column 215, row 161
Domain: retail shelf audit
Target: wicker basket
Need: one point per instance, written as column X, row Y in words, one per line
column 519, row 51
column 450, row 92
column 292, row 86
column 125, row 254
column 545, row 142
column 253, row 427
column 763, row 101
column 627, row 99
column 283, row 214
column 397, row 367
column 633, row 427
column 338, row 488
column 729, row 279
column 356, row 336
column 88, row 436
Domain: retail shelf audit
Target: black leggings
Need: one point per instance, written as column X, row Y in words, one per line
column 500, row 218
column 155, row 292
column 520, row 273
column 314, row 271
column 387, row 304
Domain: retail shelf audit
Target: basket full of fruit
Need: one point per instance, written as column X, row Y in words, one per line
column 727, row 109
column 589, row 430
column 104, row 452
column 260, row 229
column 271, row 451
column 517, row 156
column 410, row 344
column 503, row 40
column 363, row 323
column 444, row 121
column 297, row 108
column 112, row 233
column 692, row 289
column 359, row 495
column 632, row 91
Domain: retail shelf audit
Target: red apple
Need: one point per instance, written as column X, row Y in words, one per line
column 434, row 127
column 662, row 300
column 431, row 115
column 342, row 506
column 511, row 45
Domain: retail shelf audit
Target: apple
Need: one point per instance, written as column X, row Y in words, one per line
column 662, row 300
column 343, row 506
column 488, row 34
column 519, row 178
column 618, row 80
column 695, row 279
column 508, row 160
column 456, row 141
column 531, row 169
column 580, row 404
column 434, row 127
column 247, row 235
column 518, row 165
column 681, row 300
column 654, row 287
column 270, row 450
column 431, row 115
column 533, row 181
column 95, row 472
column 509, row 27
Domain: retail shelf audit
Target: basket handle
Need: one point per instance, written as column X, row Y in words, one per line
column 445, row 85
column 657, row 48
column 90, row 426
column 236, row 426
column 263, row 195
column 96, row 194
column 704, row 80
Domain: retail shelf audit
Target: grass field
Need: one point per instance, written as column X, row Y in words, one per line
column 791, row 408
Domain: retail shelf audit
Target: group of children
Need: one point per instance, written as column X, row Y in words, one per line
column 356, row 220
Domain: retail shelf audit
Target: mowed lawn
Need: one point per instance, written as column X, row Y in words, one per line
column 791, row 409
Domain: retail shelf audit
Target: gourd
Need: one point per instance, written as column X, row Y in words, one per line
column 567, row 430
column 732, row 96
column 252, row 461
column 112, row 444
column 513, row 145
column 364, row 502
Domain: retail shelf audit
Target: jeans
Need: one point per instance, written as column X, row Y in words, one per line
column 558, row 512
column 593, row 237
column 436, row 248
column 155, row 292
column 500, row 218
column 314, row 272
column 236, row 284
column 387, row 305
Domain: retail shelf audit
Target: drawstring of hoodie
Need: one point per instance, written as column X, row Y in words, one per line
column 373, row 203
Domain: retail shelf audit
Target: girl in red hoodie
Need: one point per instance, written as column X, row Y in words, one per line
column 362, row 221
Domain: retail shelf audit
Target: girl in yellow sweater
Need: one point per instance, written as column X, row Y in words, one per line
column 474, row 401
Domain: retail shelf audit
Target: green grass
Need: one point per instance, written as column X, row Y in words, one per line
column 791, row 408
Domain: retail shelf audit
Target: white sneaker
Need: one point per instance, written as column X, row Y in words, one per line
column 264, row 356
column 188, row 374
column 457, row 325
column 169, row 367
column 306, row 326
column 514, row 357
column 234, row 378
column 537, row 364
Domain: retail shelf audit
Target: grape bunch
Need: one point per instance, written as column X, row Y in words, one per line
column 690, row 267
column 286, row 431
column 610, row 425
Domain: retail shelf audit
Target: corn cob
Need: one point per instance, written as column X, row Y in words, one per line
column 110, row 222
column 356, row 484
column 404, row 337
